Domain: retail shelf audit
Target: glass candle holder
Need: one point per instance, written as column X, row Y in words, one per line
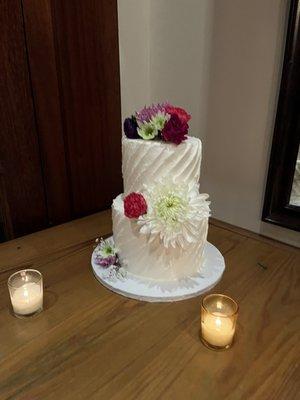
column 218, row 321
column 26, row 292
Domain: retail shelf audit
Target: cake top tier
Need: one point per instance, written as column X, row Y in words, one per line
column 157, row 147
column 147, row 162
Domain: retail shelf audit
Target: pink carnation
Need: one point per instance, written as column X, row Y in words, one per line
column 180, row 112
column 135, row 205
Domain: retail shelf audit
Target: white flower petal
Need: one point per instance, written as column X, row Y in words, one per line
column 175, row 213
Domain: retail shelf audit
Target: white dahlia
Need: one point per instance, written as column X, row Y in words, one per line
column 175, row 213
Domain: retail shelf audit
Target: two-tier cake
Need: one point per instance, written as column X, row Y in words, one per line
column 160, row 222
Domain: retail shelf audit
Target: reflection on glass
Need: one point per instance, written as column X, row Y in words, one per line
column 295, row 193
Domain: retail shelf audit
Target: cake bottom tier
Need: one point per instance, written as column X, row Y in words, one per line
column 153, row 260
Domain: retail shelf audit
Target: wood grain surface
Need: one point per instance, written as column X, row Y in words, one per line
column 87, row 57
column 40, row 33
column 74, row 62
column 22, row 197
column 90, row 343
column 60, row 112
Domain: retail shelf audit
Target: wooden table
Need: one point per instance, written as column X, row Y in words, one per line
column 90, row 343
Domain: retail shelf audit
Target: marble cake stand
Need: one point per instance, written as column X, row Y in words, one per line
column 147, row 290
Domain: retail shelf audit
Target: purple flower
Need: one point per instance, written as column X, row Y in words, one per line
column 106, row 262
column 175, row 130
column 130, row 128
column 148, row 112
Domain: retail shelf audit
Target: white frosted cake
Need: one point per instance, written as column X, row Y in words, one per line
column 146, row 162
column 160, row 222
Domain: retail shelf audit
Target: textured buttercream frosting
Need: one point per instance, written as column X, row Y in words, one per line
column 147, row 162
column 152, row 260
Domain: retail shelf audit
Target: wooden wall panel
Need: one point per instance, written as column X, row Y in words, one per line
column 46, row 93
column 60, row 150
column 86, row 35
column 21, row 177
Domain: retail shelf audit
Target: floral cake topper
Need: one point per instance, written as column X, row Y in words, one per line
column 159, row 121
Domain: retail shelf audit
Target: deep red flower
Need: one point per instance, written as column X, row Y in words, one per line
column 175, row 130
column 134, row 205
column 180, row 112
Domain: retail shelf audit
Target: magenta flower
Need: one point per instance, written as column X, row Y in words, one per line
column 175, row 130
column 182, row 114
column 135, row 205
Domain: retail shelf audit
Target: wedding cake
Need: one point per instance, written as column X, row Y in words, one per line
column 160, row 222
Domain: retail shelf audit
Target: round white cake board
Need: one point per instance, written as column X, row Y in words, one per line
column 153, row 291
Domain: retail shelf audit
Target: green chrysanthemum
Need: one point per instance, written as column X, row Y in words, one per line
column 107, row 249
column 147, row 131
column 159, row 120
column 170, row 208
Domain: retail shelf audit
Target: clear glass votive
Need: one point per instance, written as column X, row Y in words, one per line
column 26, row 292
column 218, row 321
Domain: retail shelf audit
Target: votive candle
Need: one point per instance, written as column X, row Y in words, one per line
column 26, row 292
column 218, row 321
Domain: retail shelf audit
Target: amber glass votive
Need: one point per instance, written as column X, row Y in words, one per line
column 218, row 321
column 26, row 292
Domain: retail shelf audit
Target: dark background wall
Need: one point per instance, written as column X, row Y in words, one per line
column 60, row 135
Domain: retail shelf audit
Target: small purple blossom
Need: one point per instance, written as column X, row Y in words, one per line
column 106, row 262
column 148, row 112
